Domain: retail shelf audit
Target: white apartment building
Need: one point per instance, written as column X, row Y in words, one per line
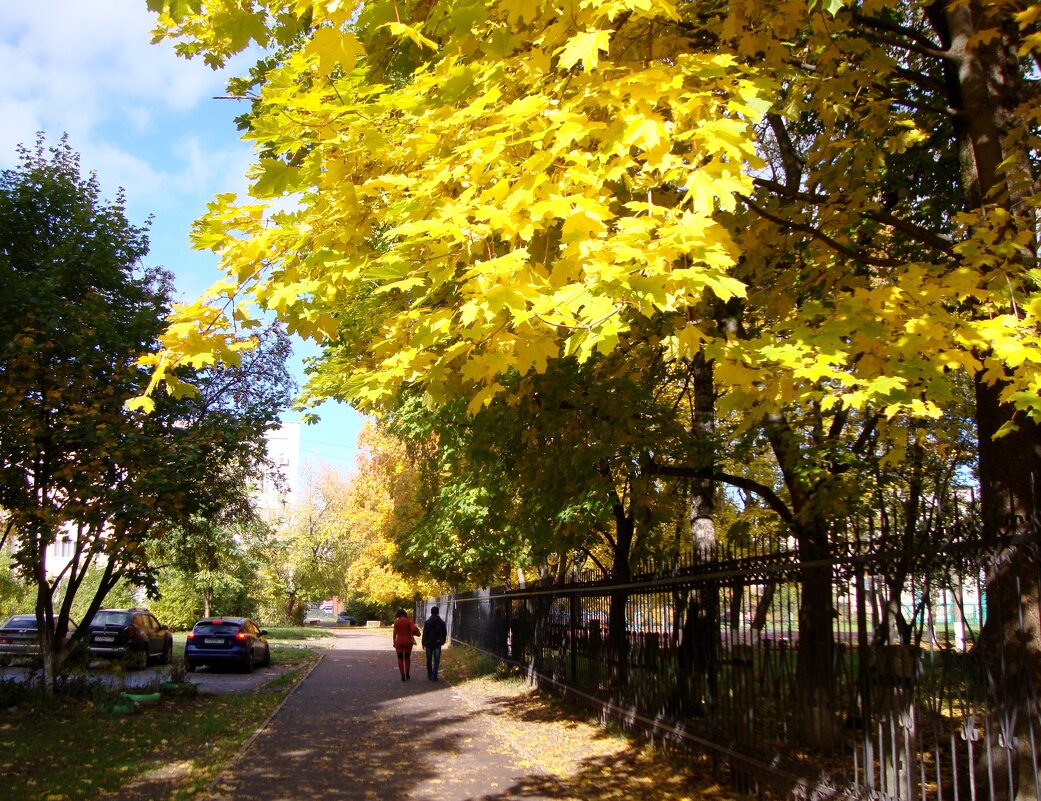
column 279, row 488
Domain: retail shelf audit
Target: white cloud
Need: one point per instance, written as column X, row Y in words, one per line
column 90, row 69
column 84, row 61
column 141, row 117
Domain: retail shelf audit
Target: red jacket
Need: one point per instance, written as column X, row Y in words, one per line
column 404, row 631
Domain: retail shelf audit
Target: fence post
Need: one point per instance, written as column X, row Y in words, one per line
column 863, row 671
column 572, row 632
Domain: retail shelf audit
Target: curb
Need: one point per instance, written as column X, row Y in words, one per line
column 238, row 755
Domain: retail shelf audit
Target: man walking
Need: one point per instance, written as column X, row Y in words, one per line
column 435, row 632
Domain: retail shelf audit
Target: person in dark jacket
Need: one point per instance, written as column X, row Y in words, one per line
column 435, row 633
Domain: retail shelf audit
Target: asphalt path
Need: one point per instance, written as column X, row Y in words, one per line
column 353, row 731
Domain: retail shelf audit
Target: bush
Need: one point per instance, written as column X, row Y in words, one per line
column 362, row 610
column 29, row 691
column 15, row 595
column 119, row 597
column 274, row 613
column 15, row 693
column 178, row 605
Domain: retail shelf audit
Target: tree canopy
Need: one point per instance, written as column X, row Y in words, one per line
column 77, row 312
column 484, row 187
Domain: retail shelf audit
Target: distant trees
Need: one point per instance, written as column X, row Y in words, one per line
column 77, row 312
column 301, row 555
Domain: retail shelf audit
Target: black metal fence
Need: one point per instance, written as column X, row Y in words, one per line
column 920, row 692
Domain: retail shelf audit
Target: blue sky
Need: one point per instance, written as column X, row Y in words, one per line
column 142, row 119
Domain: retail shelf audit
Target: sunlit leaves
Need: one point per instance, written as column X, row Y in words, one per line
column 409, row 33
column 490, row 186
column 509, row 198
column 584, row 49
column 380, row 503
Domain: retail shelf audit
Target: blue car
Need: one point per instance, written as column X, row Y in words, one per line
column 234, row 641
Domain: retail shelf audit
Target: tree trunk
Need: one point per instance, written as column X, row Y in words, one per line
column 1010, row 477
column 617, row 635
column 814, row 671
column 984, row 84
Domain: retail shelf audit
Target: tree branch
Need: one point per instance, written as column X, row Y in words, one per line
column 816, row 233
column 865, row 435
column 596, row 561
column 792, row 162
column 901, row 37
column 923, row 235
column 8, row 528
column 771, row 498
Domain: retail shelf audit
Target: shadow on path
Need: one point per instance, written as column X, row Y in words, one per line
column 354, row 730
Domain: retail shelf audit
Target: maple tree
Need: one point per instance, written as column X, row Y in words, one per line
column 896, row 228
column 304, row 554
column 381, row 502
column 832, row 204
column 453, row 217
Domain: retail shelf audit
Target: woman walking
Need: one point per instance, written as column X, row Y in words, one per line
column 405, row 632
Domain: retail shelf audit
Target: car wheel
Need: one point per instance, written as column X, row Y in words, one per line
column 189, row 667
column 167, row 653
column 267, row 657
column 139, row 660
column 248, row 667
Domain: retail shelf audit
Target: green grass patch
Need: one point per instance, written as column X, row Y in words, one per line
column 282, row 655
column 462, row 663
column 298, row 633
column 66, row 748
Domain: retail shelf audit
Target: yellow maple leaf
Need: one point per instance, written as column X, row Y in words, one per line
column 584, row 47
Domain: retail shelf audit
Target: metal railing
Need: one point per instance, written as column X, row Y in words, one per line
column 920, row 692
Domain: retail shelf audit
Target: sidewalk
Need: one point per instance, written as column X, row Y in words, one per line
column 352, row 730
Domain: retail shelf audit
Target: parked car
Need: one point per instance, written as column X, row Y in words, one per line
column 343, row 617
column 236, row 641
column 19, row 637
column 129, row 633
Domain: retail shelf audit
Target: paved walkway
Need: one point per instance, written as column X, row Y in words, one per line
column 353, row 731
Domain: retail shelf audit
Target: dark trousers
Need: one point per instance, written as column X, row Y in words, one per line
column 433, row 660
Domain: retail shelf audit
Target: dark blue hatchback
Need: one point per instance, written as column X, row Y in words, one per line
column 235, row 641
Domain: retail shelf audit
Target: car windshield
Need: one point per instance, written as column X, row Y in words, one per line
column 109, row 619
column 216, row 627
column 21, row 622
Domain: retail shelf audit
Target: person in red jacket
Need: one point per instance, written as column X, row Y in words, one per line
column 405, row 632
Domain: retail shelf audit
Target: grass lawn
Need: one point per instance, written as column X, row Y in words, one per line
column 67, row 749
column 298, row 633
column 293, row 636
